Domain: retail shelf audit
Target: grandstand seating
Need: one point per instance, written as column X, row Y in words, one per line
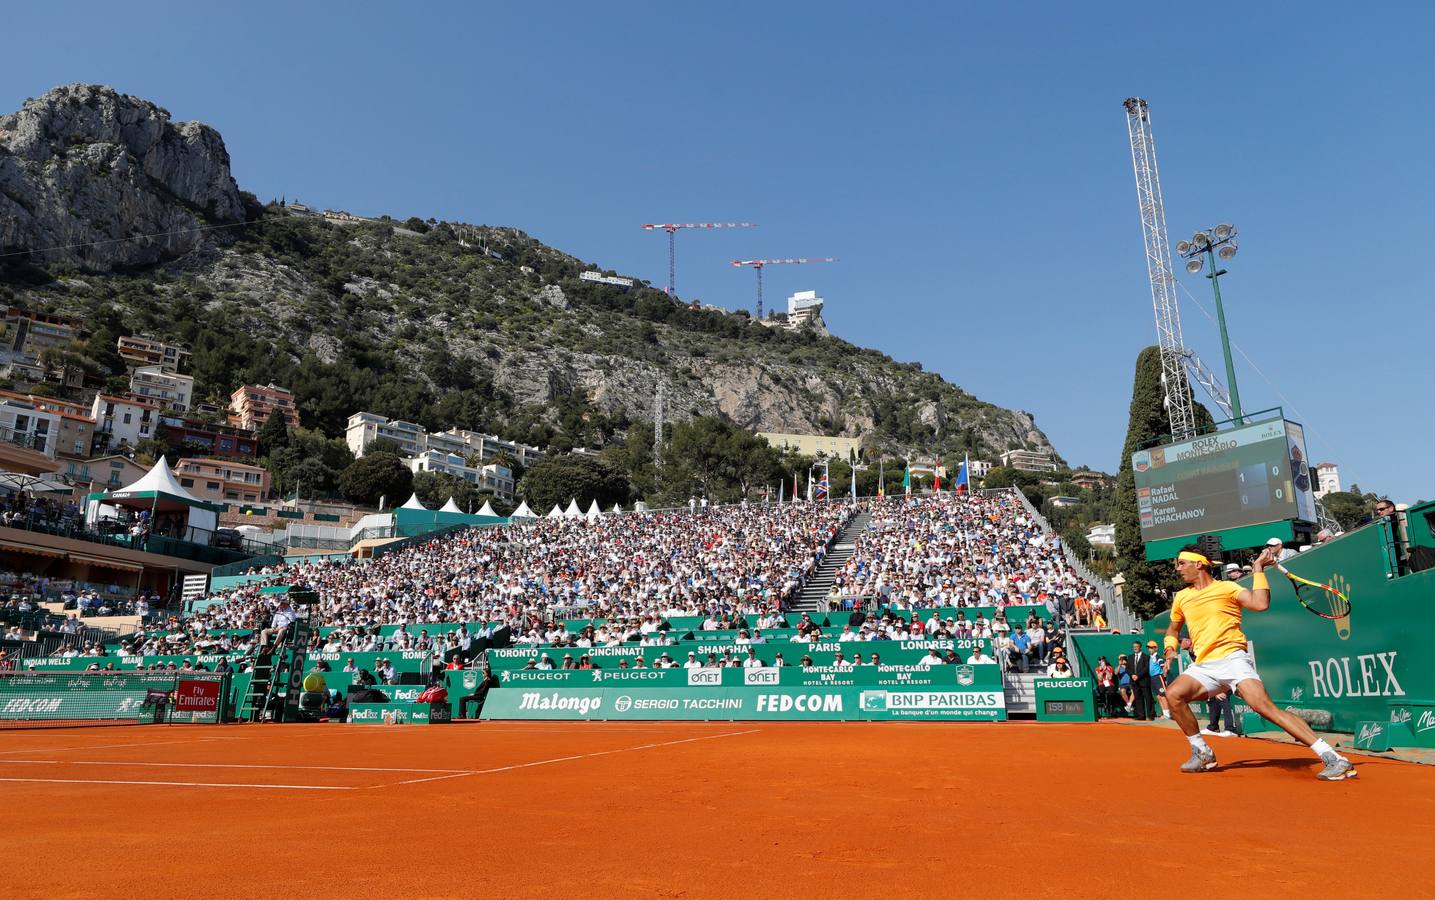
column 941, row 571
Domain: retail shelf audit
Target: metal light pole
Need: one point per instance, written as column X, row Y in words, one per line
column 1217, row 242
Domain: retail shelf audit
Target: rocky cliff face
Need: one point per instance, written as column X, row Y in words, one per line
column 84, row 166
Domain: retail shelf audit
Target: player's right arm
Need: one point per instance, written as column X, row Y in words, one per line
column 1172, row 641
column 1258, row 599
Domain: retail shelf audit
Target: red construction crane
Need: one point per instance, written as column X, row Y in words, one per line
column 672, row 231
column 759, row 263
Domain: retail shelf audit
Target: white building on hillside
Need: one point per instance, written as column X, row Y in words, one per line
column 25, row 424
column 1327, row 479
column 364, row 428
column 497, row 479
column 167, row 390
column 122, row 420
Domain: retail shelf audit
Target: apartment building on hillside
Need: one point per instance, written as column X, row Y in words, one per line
column 364, row 428
column 251, row 405
column 1029, row 461
column 220, row 481
column 495, row 478
column 121, row 421
column 168, row 390
column 25, row 424
column 140, row 350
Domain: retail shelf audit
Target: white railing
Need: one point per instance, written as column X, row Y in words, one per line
column 1117, row 615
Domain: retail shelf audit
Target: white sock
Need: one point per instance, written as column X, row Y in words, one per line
column 1199, row 743
column 1320, row 747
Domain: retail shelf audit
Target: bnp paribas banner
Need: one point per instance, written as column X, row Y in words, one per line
column 748, row 703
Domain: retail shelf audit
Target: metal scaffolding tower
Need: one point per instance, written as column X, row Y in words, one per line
column 1179, row 406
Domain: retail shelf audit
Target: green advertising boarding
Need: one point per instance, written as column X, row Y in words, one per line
column 749, row 703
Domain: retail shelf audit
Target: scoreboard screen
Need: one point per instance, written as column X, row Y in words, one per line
column 1245, row 476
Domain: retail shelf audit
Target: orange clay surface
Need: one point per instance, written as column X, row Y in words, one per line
column 691, row 809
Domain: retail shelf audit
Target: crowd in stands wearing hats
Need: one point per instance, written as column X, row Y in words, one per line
column 956, row 550
column 721, row 562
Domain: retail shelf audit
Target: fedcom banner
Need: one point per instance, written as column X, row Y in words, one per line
column 747, row 703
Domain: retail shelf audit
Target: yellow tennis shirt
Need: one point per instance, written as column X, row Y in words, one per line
column 1212, row 616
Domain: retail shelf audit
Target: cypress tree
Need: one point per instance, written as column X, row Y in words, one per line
column 1149, row 585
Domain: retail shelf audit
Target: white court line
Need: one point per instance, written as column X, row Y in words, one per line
column 277, row 787
column 110, row 746
column 168, row 765
column 548, row 762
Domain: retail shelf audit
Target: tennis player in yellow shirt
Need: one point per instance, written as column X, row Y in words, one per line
column 1211, row 612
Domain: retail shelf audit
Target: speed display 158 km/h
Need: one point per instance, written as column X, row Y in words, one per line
column 1244, row 476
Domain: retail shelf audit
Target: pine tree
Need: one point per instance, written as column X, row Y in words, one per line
column 1149, row 585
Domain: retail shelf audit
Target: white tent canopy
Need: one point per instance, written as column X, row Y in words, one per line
column 158, row 493
column 593, row 511
column 413, row 503
column 488, row 510
column 573, row 512
column 450, row 506
column 522, row 512
column 617, row 508
column 160, row 478
column 556, row 512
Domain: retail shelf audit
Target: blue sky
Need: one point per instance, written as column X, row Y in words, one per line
column 968, row 164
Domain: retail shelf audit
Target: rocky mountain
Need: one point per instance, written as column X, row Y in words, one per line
column 446, row 324
column 86, row 169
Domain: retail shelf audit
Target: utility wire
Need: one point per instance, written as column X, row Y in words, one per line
column 1338, row 451
column 135, row 237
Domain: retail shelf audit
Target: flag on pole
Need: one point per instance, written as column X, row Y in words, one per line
column 963, row 483
column 822, row 486
column 881, row 482
column 781, row 490
column 907, row 479
column 809, row 485
column 937, row 476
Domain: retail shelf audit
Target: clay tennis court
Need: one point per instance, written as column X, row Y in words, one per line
column 689, row 809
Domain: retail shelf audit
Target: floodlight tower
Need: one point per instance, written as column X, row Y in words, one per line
column 758, row 264
column 672, row 230
column 1179, row 405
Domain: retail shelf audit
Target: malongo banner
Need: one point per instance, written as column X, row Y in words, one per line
column 745, row 703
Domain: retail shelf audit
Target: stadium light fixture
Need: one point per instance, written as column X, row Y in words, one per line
column 1216, row 242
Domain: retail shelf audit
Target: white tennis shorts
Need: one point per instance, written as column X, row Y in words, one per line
column 1224, row 673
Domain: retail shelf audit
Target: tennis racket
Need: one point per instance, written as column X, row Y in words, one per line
column 1321, row 599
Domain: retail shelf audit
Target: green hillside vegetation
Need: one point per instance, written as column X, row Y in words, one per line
column 486, row 329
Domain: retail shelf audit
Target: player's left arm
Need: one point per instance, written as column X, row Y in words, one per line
column 1258, row 598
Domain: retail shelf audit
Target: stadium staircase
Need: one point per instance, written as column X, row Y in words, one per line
column 813, row 597
column 1021, row 692
column 278, row 671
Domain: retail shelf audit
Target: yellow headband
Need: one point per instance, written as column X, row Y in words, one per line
column 1193, row 557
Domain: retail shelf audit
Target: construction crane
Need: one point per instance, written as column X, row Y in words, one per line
column 1176, row 358
column 758, row 265
column 672, row 230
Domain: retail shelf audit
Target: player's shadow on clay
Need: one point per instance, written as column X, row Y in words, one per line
column 1301, row 765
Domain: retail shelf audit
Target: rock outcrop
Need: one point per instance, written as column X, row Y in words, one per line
column 102, row 180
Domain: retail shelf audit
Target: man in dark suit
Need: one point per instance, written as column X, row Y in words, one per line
column 1144, row 704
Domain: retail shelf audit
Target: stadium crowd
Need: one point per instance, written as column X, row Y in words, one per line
column 964, row 550
column 721, row 562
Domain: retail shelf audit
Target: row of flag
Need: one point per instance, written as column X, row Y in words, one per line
column 821, row 488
